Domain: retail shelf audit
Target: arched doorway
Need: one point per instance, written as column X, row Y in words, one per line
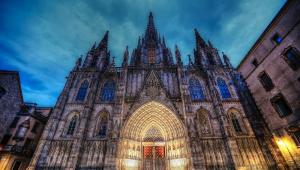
column 153, row 138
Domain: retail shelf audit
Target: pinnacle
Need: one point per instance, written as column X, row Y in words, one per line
column 199, row 40
column 104, row 42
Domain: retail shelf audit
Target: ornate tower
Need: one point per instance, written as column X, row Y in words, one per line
column 154, row 114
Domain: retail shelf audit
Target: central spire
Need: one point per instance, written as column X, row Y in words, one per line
column 151, row 32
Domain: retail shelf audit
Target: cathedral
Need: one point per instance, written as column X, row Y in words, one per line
column 153, row 113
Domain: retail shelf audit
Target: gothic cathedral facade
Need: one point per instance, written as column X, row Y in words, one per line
column 152, row 113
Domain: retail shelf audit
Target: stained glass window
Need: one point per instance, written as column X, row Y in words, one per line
column 82, row 90
column 195, row 89
column 223, row 88
column 108, row 91
column 151, row 54
column 235, row 122
column 103, row 125
column 72, row 125
column 203, row 124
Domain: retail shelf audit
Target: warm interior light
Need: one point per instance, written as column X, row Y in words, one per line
column 280, row 142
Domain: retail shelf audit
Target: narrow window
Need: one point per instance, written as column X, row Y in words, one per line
column 195, row 89
column 223, row 88
column 15, row 122
column 277, row 38
column 281, row 105
column 2, row 91
column 266, row 81
column 82, row 90
column 35, row 127
column 72, row 125
column 151, row 54
column 108, row 91
column 28, row 143
column 5, row 139
column 292, row 57
column 94, row 61
column 17, row 165
column 255, row 63
column 103, row 125
column 203, row 124
column 235, row 122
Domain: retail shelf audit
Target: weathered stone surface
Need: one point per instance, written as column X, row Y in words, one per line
column 271, row 59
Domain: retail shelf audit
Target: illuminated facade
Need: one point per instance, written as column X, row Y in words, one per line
column 155, row 114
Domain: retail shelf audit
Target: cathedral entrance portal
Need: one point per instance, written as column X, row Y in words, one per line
column 153, row 138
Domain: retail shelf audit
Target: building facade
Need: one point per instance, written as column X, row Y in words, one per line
column 11, row 98
column 22, row 136
column 155, row 114
column 272, row 72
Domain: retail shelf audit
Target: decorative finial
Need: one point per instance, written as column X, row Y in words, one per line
column 189, row 57
column 113, row 59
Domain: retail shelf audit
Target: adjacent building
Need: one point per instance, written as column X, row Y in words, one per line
column 11, row 98
column 272, row 72
column 155, row 114
column 21, row 139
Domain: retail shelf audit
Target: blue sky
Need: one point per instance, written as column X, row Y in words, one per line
column 43, row 39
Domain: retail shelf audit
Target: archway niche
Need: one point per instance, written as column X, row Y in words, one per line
column 153, row 138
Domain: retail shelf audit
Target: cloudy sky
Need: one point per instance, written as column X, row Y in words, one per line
column 43, row 39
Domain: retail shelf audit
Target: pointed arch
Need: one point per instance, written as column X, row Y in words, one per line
column 223, row 88
column 153, row 114
column 72, row 121
column 204, row 123
column 108, row 91
column 102, row 121
column 235, row 120
column 82, row 90
column 151, row 54
column 195, row 89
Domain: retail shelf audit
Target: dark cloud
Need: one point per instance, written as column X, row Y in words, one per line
column 43, row 39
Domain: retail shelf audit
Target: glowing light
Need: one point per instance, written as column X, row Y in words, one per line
column 130, row 163
column 280, row 142
column 178, row 162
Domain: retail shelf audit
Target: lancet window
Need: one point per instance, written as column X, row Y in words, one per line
column 235, row 122
column 82, row 90
column 195, row 89
column 203, row 124
column 108, row 92
column 223, row 88
column 72, row 125
column 151, row 54
column 103, row 126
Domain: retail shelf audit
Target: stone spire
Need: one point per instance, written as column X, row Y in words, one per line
column 226, row 60
column 78, row 63
column 103, row 45
column 178, row 55
column 151, row 33
column 200, row 43
column 125, row 58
